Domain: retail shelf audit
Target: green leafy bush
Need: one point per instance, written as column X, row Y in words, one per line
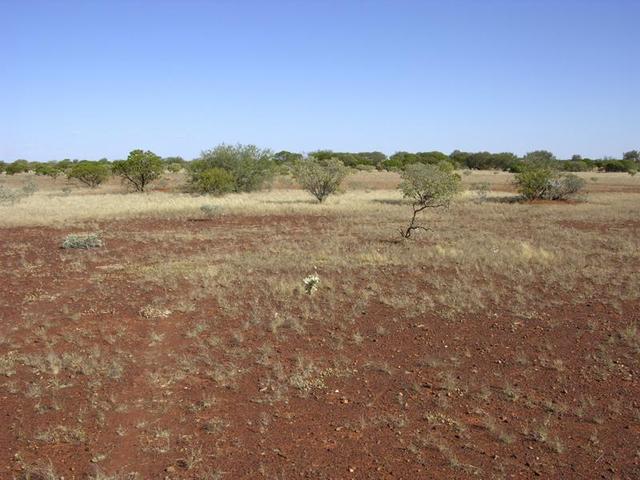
column 19, row 166
column 92, row 174
column 320, row 178
column 214, row 181
column 251, row 167
column 540, row 182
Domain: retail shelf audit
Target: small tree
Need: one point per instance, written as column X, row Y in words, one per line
column 428, row 186
column 320, row 178
column 139, row 169
column 92, row 174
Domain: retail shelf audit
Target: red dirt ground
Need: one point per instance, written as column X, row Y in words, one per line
column 479, row 396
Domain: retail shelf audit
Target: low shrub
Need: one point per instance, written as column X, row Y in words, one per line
column 210, row 210
column 90, row 240
column 8, row 196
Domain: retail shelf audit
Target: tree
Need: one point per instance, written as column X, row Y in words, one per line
column 632, row 155
column 19, row 166
column 47, row 169
column 540, row 157
column 428, row 186
column 250, row 166
column 139, row 169
column 320, row 178
column 283, row 157
column 92, row 174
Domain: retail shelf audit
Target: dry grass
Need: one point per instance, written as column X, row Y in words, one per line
column 365, row 192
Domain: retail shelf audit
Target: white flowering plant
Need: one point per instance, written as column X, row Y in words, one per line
column 311, row 283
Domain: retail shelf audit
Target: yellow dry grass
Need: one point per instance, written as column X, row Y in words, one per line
column 373, row 192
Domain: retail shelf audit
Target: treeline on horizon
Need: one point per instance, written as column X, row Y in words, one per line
column 505, row 161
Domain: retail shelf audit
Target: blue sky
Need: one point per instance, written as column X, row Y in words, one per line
column 88, row 79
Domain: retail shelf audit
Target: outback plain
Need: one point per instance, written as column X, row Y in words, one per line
column 502, row 343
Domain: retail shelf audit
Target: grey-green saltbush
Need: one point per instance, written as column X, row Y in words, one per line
column 90, row 240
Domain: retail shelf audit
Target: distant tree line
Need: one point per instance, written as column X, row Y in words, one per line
column 244, row 167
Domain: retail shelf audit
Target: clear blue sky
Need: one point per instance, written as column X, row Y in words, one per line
column 87, row 79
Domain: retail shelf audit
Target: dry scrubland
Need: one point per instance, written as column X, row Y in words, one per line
column 505, row 343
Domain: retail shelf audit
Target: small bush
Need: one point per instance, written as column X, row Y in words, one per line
column 214, row 181
column 9, row 196
column 482, row 190
column 91, row 240
column 210, row 210
column 564, row 186
column 251, row 167
column 538, row 182
column 320, row 178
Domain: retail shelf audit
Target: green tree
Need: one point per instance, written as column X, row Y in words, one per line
column 540, row 157
column 284, row 157
column 428, row 186
column 250, row 166
column 632, row 156
column 92, row 174
column 47, row 169
column 320, row 178
column 19, row 166
column 139, row 169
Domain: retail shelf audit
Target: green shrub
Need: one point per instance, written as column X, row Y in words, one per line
column 214, row 181
column 90, row 240
column 19, row 166
column 539, row 182
column 250, row 166
column 428, row 186
column 139, row 169
column 91, row 174
column 320, row 178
